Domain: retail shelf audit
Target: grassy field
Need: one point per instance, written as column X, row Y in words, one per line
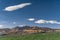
column 36, row 36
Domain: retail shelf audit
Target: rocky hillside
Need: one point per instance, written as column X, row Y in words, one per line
column 25, row 29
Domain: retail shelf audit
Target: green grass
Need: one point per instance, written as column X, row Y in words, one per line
column 37, row 36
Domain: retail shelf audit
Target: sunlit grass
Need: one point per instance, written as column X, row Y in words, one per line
column 36, row 36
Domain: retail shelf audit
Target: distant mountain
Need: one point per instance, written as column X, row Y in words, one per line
column 26, row 29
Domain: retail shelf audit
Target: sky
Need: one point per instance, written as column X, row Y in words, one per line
column 42, row 13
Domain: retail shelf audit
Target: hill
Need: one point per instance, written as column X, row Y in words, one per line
column 25, row 30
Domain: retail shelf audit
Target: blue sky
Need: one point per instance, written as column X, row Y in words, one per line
column 42, row 13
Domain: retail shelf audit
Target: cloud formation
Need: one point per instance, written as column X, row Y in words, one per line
column 31, row 19
column 22, row 25
column 15, row 7
column 41, row 21
column 14, row 22
column 1, row 26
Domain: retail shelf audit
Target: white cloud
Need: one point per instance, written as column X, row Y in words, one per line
column 41, row 21
column 22, row 25
column 15, row 7
column 31, row 19
column 14, row 22
column 1, row 26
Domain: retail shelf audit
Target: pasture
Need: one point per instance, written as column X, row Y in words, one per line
column 36, row 36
